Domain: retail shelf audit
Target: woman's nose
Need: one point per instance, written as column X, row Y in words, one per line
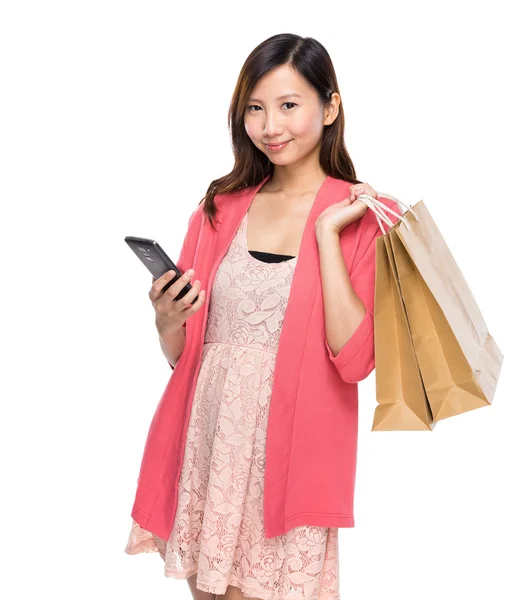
column 271, row 127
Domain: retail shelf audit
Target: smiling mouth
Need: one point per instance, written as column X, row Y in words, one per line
column 274, row 146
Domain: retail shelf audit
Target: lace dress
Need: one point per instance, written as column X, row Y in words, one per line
column 219, row 528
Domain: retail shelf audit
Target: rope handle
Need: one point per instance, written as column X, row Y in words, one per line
column 379, row 207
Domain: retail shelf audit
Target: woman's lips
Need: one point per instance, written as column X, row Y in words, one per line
column 276, row 147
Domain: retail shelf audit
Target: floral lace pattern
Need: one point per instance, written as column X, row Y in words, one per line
column 219, row 527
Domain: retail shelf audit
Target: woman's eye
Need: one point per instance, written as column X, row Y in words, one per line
column 256, row 106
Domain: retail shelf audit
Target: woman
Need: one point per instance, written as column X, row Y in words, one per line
column 280, row 208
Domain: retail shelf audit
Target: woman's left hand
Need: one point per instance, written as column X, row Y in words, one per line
column 336, row 216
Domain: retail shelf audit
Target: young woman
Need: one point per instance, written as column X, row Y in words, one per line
column 249, row 465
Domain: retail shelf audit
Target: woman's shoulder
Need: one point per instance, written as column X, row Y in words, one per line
column 222, row 199
column 221, row 202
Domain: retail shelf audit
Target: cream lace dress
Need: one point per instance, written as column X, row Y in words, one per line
column 219, row 528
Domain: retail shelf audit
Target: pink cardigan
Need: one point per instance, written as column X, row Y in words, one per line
column 311, row 447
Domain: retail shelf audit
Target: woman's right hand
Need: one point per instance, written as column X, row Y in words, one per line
column 171, row 314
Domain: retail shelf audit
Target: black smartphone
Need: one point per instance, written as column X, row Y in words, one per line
column 157, row 262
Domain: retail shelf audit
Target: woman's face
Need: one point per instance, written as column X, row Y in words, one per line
column 297, row 118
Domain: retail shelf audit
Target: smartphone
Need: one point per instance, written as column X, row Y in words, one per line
column 157, row 262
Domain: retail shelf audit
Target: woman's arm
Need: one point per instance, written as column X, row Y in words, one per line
column 343, row 309
column 349, row 301
column 173, row 342
column 172, row 345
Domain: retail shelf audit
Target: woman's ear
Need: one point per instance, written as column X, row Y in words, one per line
column 331, row 110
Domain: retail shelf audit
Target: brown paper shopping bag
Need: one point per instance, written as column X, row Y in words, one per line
column 459, row 360
column 401, row 397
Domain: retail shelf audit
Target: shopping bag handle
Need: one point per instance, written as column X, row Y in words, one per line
column 379, row 207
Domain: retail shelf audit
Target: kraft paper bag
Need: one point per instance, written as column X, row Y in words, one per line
column 401, row 397
column 459, row 360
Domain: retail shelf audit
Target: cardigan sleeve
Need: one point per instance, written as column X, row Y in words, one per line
column 356, row 359
column 187, row 252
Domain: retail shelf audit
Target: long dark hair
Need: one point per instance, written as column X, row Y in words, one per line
column 312, row 61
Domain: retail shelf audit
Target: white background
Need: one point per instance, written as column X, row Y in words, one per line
column 113, row 123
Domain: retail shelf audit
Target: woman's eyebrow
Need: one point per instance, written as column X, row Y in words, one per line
column 278, row 98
